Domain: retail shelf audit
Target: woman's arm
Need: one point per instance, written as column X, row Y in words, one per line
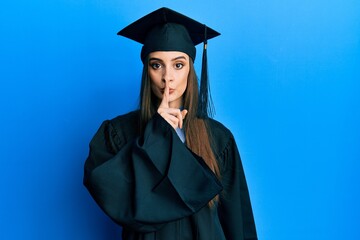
column 148, row 181
column 235, row 209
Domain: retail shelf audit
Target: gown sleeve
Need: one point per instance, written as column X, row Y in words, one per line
column 235, row 209
column 151, row 180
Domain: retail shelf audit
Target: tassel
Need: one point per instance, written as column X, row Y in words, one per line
column 206, row 107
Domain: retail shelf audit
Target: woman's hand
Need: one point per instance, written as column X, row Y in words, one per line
column 173, row 116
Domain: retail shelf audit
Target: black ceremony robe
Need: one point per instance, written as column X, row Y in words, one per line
column 156, row 188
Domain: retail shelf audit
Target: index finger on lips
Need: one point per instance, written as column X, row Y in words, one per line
column 165, row 100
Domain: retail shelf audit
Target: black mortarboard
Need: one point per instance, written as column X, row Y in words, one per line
column 167, row 30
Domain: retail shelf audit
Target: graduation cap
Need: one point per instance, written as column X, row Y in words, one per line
column 167, row 30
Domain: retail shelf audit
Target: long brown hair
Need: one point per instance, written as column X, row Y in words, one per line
column 198, row 137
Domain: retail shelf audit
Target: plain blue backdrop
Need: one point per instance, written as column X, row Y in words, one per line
column 284, row 78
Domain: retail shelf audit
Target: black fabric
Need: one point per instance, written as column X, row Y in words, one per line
column 167, row 30
column 156, row 188
column 139, row 29
column 168, row 37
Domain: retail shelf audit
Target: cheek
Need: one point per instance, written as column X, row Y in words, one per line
column 155, row 84
column 184, row 84
column 184, row 80
column 152, row 76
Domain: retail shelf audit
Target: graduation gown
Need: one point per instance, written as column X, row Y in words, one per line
column 157, row 188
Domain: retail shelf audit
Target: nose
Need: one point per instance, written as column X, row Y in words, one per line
column 167, row 75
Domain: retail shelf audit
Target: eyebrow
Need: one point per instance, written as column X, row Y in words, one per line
column 177, row 58
column 174, row 59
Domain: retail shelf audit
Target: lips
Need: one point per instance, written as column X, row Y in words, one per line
column 171, row 90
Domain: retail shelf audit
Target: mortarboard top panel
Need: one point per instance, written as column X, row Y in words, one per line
column 138, row 30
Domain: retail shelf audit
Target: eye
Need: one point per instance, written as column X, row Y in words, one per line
column 155, row 65
column 179, row 65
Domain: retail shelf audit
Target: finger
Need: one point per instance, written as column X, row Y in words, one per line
column 177, row 114
column 165, row 100
column 182, row 117
column 171, row 119
column 172, row 111
column 173, row 114
column 183, row 113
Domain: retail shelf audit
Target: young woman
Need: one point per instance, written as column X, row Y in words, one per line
column 168, row 171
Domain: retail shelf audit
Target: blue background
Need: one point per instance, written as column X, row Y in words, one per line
column 284, row 77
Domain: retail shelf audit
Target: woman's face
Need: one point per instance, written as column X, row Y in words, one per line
column 169, row 69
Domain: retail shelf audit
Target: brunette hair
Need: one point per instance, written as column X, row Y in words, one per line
column 198, row 137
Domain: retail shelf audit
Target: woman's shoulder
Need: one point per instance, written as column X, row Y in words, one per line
column 126, row 125
column 129, row 118
column 218, row 130
column 222, row 137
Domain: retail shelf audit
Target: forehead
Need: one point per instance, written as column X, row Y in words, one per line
column 168, row 55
